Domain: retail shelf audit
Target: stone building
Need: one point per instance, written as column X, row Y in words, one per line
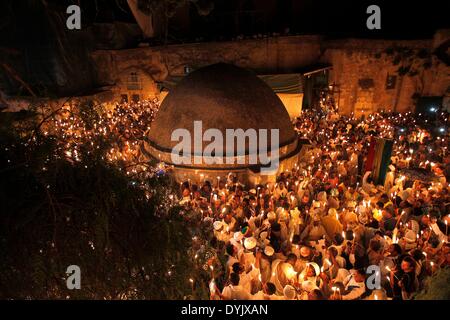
column 367, row 75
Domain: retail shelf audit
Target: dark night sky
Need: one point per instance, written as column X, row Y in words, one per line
column 341, row 18
column 400, row 18
column 31, row 27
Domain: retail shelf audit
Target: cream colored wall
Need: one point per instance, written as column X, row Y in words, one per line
column 292, row 103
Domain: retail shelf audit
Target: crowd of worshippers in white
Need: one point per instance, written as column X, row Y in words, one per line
column 313, row 234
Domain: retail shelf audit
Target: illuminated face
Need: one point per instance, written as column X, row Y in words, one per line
column 406, row 267
column 352, row 224
column 359, row 277
column 310, row 272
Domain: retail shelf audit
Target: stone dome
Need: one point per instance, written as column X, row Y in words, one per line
column 221, row 96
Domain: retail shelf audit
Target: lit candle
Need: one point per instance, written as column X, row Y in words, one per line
column 389, row 269
column 446, row 227
column 192, row 284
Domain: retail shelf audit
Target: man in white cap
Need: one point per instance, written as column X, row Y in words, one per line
column 304, row 257
column 314, row 231
column 283, row 217
column 247, row 256
column 408, row 241
column 310, row 273
column 237, row 240
column 247, row 277
column 220, row 231
column 265, row 263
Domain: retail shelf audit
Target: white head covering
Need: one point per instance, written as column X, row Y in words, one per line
column 289, row 292
column 238, row 236
column 315, row 266
column 308, row 286
column 217, row 225
column 250, row 243
column 263, row 235
column 269, row 251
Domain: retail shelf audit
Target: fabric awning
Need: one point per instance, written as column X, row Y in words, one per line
column 284, row 83
column 280, row 83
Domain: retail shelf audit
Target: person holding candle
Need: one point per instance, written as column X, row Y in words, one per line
column 234, row 291
column 246, row 277
column 355, row 286
column 408, row 282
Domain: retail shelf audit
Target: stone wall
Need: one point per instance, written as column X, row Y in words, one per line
column 360, row 68
column 269, row 55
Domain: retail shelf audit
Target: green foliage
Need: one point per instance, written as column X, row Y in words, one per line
column 55, row 213
column 436, row 287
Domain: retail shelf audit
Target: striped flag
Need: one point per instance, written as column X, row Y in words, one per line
column 379, row 158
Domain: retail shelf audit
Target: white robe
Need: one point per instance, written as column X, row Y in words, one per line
column 235, row 293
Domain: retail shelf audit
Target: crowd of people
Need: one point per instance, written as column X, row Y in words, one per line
column 116, row 128
column 325, row 230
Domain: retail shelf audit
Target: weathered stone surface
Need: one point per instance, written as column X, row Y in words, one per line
column 352, row 60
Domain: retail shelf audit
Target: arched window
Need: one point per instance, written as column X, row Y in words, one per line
column 134, row 82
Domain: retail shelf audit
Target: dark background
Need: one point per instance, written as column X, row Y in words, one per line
column 36, row 46
column 400, row 18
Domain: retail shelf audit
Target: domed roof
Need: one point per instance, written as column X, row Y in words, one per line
column 222, row 96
